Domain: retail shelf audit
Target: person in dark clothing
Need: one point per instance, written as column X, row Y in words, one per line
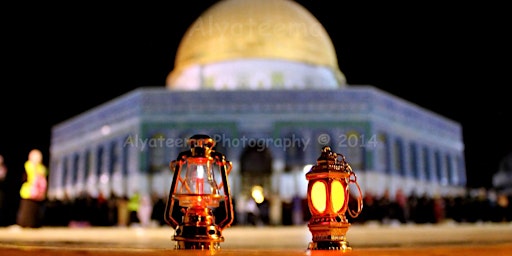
column 157, row 214
column 3, row 187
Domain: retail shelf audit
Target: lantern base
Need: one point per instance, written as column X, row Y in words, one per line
column 201, row 238
column 330, row 245
column 329, row 235
column 206, row 245
column 198, row 230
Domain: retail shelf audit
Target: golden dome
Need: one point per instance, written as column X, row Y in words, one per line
column 262, row 29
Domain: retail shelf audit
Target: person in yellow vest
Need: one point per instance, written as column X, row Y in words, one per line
column 133, row 209
column 33, row 191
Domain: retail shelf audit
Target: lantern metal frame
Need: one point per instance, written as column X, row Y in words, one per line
column 329, row 225
column 198, row 228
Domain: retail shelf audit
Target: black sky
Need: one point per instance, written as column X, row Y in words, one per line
column 61, row 59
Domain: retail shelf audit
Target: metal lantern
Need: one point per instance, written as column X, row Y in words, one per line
column 196, row 192
column 328, row 197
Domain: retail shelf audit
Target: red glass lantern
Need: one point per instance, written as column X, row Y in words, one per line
column 328, row 197
column 196, row 191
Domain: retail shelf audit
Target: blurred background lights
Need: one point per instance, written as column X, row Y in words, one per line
column 105, row 130
column 104, row 178
column 257, row 194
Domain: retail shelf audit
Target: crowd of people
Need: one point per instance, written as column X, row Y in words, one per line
column 477, row 205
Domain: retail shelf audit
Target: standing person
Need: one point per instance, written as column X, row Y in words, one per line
column 144, row 211
column 3, row 184
column 133, row 209
column 33, row 191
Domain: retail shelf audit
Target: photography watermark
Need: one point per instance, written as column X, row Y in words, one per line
column 207, row 26
column 348, row 140
column 285, row 143
column 221, row 140
column 143, row 143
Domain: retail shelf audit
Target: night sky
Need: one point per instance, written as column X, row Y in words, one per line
column 60, row 60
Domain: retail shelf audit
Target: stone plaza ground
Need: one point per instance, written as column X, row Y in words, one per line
column 369, row 239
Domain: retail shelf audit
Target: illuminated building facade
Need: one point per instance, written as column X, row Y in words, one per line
column 268, row 89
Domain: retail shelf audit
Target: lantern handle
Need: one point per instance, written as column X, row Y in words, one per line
column 225, row 169
column 353, row 179
column 220, row 160
column 175, row 167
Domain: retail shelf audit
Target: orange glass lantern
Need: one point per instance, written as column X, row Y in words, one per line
column 196, row 191
column 328, row 197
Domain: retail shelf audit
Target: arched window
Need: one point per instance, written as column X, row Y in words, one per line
column 113, row 158
column 256, row 167
column 99, row 162
column 87, row 164
column 74, row 172
column 427, row 164
column 398, row 157
column 125, row 160
column 157, row 153
column 439, row 167
column 256, row 161
column 461, row 171
column 355, row 149
column 293, row 152
column 413, row 154
column 382, row 153
column 449, row 170
column 65, row 171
